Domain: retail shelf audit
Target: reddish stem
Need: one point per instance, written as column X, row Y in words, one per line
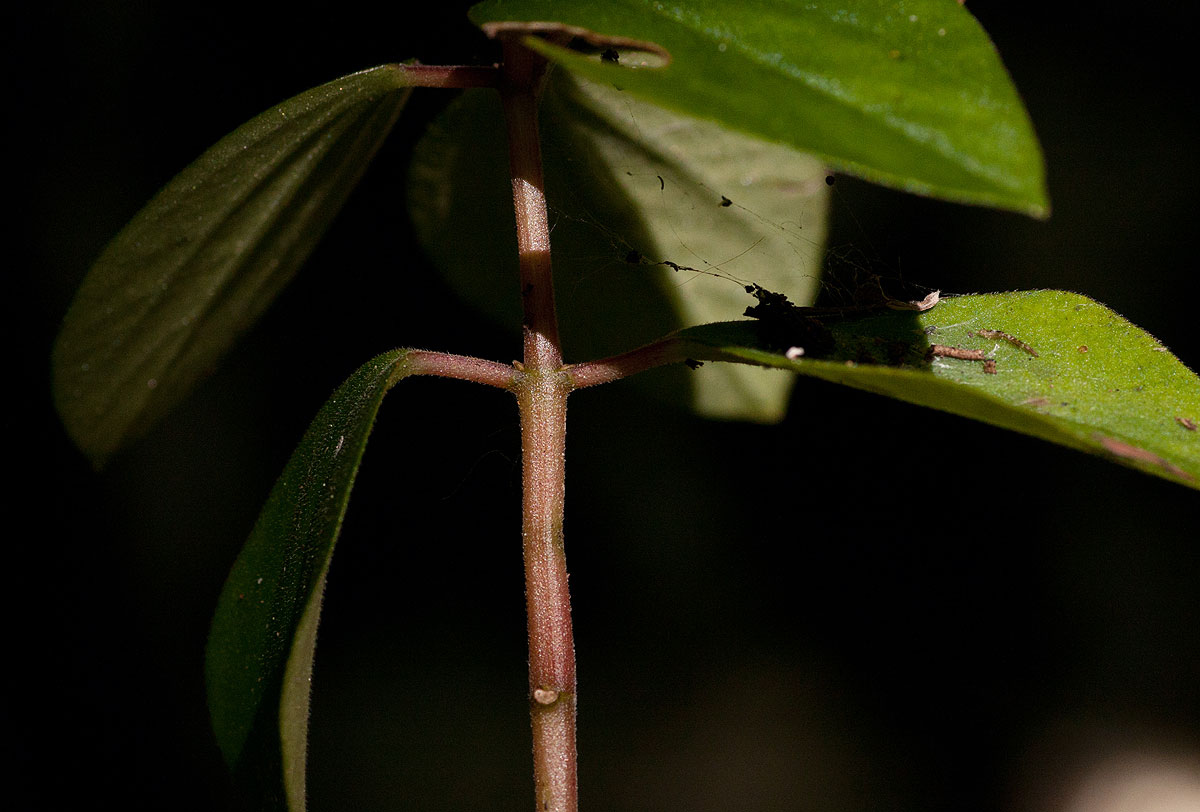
column 453, row 76
column 541, row 388
column 542, row 401
column 461, row 367
column 522, row 72
column 669, row 350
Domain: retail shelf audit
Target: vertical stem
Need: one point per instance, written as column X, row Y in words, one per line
column 542, row 401
column 522, row 73
column 541, row 389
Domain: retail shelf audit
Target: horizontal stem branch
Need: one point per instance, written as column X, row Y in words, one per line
column 452, row 76
column 669, row 350
column 462, row 367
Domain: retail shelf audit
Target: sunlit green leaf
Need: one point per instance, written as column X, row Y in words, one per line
column 207, row 255
column 1066, row 369
column 910, row 94
column 639, row 196
column 260, row 650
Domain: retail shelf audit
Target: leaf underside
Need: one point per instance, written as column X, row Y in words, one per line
column 205, row 257
column 657, row 220
column 911, row 95
column 1097, row 383
column 260, row 649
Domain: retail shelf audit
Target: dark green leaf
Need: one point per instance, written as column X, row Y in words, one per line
column 260, row 650
column 1097, row 383
column 639, row 196
column 207, row 255
column 911, row 95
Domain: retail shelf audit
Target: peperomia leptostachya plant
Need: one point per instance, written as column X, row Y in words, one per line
column 692, row 139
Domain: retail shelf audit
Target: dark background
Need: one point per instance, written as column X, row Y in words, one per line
column 870, row 607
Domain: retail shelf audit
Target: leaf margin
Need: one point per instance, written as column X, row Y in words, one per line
column 1144, row 450
column 601, row 22
column 107, row 395
column 263, row 738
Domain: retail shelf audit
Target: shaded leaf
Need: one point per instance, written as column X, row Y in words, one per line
column 638, row 197
column 207, row 255
column 1066, row 369
column 260, row 649
column 911, row 95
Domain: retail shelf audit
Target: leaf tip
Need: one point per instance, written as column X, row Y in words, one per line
column 1040, row 208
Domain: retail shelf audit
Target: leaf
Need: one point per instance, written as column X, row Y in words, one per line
column 1097, row 383
column 634, row 191
column 205, row 257
column 910, row 95
column 260, row 649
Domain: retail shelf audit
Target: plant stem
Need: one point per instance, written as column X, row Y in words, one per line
column 453, row 76
column 541, row 388
column 542, row 401
column 522, row 72
column 669, row 350
column 461, row 367
column 672, row 349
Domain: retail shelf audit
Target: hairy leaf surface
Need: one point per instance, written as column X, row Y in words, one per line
column 207, row 255
column 910, row 94
column 260, row 649
column 1066, row 369
column 656, row 220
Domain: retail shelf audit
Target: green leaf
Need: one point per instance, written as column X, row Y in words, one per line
column 207, row 255
column 909, row 94
column 631, row 187
column 1097, row 383
column 260, row 649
